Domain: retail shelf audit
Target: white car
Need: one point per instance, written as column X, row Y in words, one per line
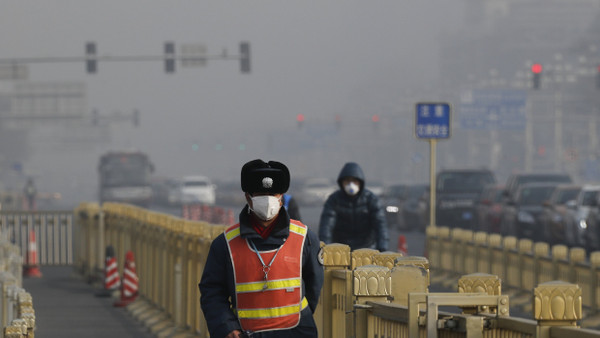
column 197, row 189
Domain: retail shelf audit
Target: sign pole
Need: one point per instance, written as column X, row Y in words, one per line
column 432, row 122
column 432, row 183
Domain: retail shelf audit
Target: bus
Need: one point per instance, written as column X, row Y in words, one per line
column 125, row 177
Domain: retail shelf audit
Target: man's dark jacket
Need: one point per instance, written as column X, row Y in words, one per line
column 217, row 283
column 359, row 220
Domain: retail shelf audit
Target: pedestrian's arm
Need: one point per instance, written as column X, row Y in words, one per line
column 312, row 271
column 327, row 222
column 378, row 219
column 214, row 292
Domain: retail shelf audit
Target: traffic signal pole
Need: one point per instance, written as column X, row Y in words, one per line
column 91, row 58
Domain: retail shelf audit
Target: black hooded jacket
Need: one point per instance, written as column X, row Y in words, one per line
column 359, row 220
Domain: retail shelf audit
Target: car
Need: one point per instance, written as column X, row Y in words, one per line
column 162, row 188
column 514, row 181
column 416, row 207
column 315, row 191
column 392, row 199
column 405, row 206
column 554, row 216
column 488, row 210
column 521, row 213
column 577, row 218
column 456, row 194
column 197, row 189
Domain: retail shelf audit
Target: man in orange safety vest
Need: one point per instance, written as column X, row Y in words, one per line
column 262, row 276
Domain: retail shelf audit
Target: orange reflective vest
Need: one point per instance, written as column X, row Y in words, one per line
column 274, row 303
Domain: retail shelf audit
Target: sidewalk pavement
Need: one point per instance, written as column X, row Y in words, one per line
column 65, row 306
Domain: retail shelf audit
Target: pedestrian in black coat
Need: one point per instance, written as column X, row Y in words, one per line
column 353, row 215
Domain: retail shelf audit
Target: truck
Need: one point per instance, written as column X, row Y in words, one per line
column 125, row 177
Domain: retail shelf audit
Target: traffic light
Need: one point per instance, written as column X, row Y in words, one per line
column 536, row 71
column 169, row 57
column 91, row 63
column 375, row 119
column 300, row 120
column 245, row 57
column 338, row 122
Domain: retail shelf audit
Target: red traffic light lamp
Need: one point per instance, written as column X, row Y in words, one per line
column 375, row 119
column 300, row 120
column 536, row 69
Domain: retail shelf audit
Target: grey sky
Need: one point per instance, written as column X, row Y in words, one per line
column 318, row 58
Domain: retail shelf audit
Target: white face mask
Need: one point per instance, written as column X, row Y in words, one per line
column 351, row 188
column 265, row 207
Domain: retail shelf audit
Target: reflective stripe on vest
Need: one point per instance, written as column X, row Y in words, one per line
column 275, row 303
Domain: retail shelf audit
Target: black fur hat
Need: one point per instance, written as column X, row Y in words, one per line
column 268, row 177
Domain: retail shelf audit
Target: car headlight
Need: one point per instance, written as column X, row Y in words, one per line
column 391, row 208
column 582, row 224
column 525, row 217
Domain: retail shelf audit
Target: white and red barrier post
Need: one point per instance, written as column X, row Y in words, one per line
column 129, row 286
column 32, row 268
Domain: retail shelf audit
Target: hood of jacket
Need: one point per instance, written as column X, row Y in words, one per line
column 351, row 169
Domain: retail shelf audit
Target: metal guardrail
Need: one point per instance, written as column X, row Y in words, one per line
column 53, row 230
column 366, row 293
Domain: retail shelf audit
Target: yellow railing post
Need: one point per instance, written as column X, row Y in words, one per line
column 370, row 283
column 527, row 265
column 483, row 252
column 480, row 283
column 335, row 257
column 576, row 256
column 560, row 262
column 432, row 246
column 595, row 280
column 556, row 303
column 409, row 274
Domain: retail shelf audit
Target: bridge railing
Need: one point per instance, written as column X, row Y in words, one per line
column 521, row 264
column 366, row 293
column 16, row 306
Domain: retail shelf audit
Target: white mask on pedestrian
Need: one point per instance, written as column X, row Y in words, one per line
column 351, row 188
column 265, row 207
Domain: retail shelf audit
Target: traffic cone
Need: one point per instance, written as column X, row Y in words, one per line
column 402, row 245
column 129, row 287
column 32, row 268
column 112, row 282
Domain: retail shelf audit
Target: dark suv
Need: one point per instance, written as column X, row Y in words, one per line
column 457, row 192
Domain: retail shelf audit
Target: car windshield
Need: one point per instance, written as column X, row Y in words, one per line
column 590, row 198
column 416, row 191
column 195, row 184
column 463, row 181
column 565, row 195
column 535, row 195
column 545, row 178
column 396, row 191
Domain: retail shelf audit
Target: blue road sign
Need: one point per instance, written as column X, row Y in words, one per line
column 493, row 109
column 432, row 120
